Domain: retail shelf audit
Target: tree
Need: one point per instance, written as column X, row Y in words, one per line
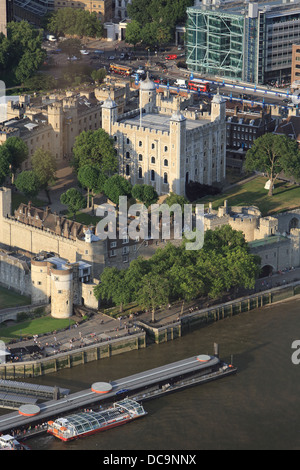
column 68, row 21
column 73, row 199
column 4, row 163
column 154, row 21
column 44, row 165
column 113, row 287
column 88, row 177
column 21, row 51
column 273, row 154
column 95, row 148
column 18, row 153
column 145, row 193
column 28, row 183
column 176, row 199
column 153, row 293
column 117, row 186
column 133, row 33
column 98, row 75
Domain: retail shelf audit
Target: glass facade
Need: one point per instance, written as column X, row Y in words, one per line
column 215, row 42
column 251, row 43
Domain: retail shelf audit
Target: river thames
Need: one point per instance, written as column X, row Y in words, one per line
column 259, row 408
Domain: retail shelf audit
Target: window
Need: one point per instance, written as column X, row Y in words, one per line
column 153, row 160
column 165, row 178
column 166, row 163
column 127, row 170
column 166, row 148
column 140, row 143
column 127, row 154
column 140, row 172
column 152, row 146
column 140, row 157
column 152, row 175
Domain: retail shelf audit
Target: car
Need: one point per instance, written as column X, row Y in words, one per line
column 122, row 56
column 98, row 51
column 171, row 57
column 84, row 52
column 111, row 57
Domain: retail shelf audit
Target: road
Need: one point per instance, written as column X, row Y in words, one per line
column 155, row 62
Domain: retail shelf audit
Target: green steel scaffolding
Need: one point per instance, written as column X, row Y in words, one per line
column 215, row 42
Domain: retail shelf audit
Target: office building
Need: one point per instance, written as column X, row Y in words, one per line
column 240, row 40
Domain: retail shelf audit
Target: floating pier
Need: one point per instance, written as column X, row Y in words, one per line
column 141, row 386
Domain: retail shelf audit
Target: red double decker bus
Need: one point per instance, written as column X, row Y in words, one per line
column 198, row 85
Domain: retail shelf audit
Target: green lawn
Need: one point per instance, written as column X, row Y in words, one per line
column 9, row 298
column 35, row 326
column 286, row 196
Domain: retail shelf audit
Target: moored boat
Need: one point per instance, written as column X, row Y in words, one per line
column 90, row 422
column 8, row 442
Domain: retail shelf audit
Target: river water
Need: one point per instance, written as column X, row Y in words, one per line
column 259, row 408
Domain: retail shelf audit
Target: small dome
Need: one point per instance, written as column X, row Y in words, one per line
column 178, row 116
column 218, row 99
column 147, row 84
column 109, row 103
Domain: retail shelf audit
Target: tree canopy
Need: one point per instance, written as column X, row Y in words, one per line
column 73, row 199
column 274, row 154
column 95, row 148
column 75, row 22
column 145, row 193
column 224, row 262
column 28, row 183
column 18, row 153
column 44, row 166
column 21, row 52
column 117, row 186
column 153, row 21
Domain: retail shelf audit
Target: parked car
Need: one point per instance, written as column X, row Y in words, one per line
column 84, row 52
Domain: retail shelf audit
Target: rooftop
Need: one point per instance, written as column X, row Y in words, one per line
column 161, row 122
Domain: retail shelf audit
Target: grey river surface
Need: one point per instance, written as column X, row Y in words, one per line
column 259, row 408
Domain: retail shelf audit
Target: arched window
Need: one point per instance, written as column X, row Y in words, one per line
column 140, row 172
column 127, row 170
column 165, row 178
column 127, row 154
column 166, row 163
column 140, row 157
column 152, row 175
column 152, row 159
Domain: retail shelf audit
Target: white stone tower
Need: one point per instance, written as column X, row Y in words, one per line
column 109, row 115
column 148, row 95
column 178, row 143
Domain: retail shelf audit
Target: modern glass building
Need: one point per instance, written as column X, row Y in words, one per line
column 243, row 40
